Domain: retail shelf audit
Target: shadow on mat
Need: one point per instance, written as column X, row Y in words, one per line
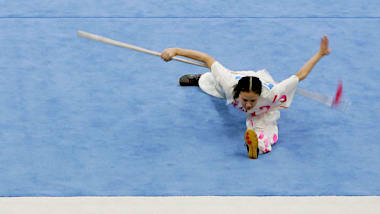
column 233, row 125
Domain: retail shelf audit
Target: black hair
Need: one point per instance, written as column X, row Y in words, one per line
column 247, row 84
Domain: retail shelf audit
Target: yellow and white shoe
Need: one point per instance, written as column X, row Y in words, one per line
column 252, row 144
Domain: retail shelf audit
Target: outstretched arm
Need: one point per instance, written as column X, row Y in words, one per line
column 169, row 53
column 308, row 66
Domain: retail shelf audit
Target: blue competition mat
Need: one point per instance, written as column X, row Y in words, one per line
column 82, row 118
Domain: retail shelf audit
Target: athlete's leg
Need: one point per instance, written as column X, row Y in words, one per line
column 266, row 131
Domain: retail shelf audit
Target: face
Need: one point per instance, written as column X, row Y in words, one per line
column 248, row 99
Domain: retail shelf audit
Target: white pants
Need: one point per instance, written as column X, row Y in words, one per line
column 265, row 127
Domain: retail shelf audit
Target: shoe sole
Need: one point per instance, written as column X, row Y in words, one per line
column 252, row 142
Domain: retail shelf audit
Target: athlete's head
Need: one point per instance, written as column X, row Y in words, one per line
column 248, row 91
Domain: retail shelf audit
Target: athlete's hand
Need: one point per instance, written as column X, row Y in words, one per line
column 168, row 54
column 324, row 50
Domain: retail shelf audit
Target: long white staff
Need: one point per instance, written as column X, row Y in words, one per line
column 323, row 99
column 133, row 47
